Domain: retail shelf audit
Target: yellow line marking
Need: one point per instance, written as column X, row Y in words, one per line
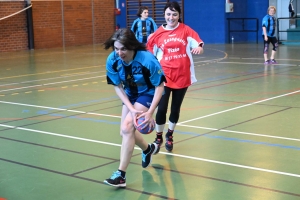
column 49, row 72
column 85, row 84
column 75, row 73
column 95, row 82
column 75, row 85
column 15, row 94
column 41, row 90
column 28, row 92
column 64, row 87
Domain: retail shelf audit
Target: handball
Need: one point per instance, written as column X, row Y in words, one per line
column 142, row 129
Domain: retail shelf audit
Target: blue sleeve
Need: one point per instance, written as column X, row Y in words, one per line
column 265, row 21
column 154, row 24
column 133, row 27
column 112, row 75
column 156, row 72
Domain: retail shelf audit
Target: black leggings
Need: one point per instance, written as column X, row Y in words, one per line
column 273, row 41
column 177, row 99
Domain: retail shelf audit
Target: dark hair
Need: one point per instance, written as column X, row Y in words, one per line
column 174, row 6
column 141, row 10
column 126, row 37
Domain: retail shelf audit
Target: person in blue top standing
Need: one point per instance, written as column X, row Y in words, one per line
column 143, row 26
column 268, row 34
column 138, row 80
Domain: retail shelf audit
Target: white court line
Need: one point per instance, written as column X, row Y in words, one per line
column 276, row 59
column 60, row 109
column 250, row 104
column 242, row 63
column 51, row 83
column 115, row 116
column 172, row 154
column 240, row 132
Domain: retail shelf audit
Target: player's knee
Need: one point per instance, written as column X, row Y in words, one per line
column 266, row 49
column 127, row 128
column 275, row 47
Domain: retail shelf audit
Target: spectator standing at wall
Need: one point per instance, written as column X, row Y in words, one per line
column 173, row 44
column 291, row 9
column 268, row 34
column 138, row 80
column 143, row 26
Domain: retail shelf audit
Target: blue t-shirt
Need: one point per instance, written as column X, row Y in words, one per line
column 143, row 28
column 270, row 23
column 140, row 76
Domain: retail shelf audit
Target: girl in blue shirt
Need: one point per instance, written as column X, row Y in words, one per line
column 144, row 25
column 138, row 80
column 268, row 33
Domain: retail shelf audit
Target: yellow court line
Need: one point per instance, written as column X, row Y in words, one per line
column 49, row 72
column 79, row 73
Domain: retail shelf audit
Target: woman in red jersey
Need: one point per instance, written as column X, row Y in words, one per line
column 173, row 44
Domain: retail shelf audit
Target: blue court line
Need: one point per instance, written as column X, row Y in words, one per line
column 241, row 140
column 180, row 132
column 89, row 102
column 254, row 142
column 191, row 133
column 248, row 72
column 86, row 119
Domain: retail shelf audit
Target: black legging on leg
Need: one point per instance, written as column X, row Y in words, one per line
column 177, row 99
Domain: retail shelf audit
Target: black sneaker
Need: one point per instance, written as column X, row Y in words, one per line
column 158, row 141
column 273, row 61
column 116, row 180
column 169, row 143
column 146, row 158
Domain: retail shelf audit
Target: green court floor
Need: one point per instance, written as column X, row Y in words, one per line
column 237, row 138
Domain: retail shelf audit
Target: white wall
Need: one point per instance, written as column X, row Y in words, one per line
column 283, row 11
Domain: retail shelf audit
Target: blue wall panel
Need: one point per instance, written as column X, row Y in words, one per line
column 209, row 19
column 257, row 9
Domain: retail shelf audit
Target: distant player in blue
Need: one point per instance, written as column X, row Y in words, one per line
column 268, row 33
column 144, row 25
column 138, row 80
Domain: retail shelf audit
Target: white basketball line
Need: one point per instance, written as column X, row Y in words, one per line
column 250, row 104
column 172, row 154
column 116, row 116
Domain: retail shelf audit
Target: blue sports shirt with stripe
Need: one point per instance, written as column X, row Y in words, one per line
column 140, row 76
column 270, row 23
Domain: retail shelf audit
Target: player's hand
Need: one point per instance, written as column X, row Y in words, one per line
column 197, row 50
column 149, row 121
column 135, row 114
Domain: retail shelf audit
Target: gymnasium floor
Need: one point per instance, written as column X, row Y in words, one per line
column 238, row 135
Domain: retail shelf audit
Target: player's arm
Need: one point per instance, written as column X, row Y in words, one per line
column 124, row 98
column 159, row 90
column 265, row 33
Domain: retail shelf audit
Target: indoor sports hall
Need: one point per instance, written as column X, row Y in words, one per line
column 237, row 137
